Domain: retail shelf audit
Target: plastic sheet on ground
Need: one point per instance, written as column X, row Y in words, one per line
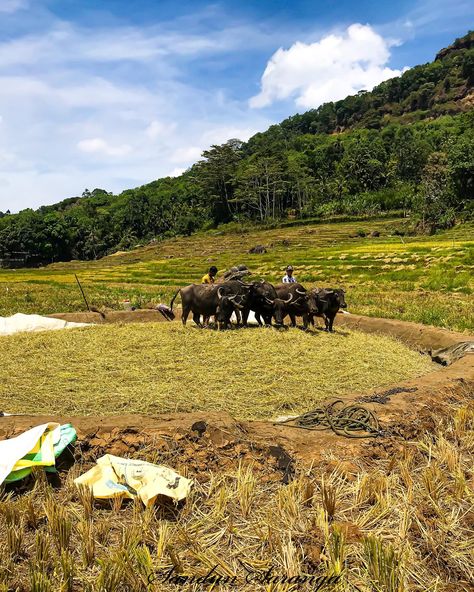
column 251, row 320
column 20, row 322
column 38, row 447
column 114, row 476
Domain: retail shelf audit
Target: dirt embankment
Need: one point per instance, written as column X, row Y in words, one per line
column 216, row 439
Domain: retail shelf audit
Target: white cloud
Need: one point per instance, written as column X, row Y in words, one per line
column 327, row 70
column 10, row 6
column 99, row 145
column 220, row 134
column 176, row 172
column 185, row 155
column 159, row 130
column 65, row 43
column 111, row 107
column 426, row 14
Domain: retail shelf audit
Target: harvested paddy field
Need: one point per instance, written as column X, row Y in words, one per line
column 402, row 522
column 426, row 279
column 157, row 368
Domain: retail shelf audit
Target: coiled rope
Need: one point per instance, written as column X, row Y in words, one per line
column 351, row 421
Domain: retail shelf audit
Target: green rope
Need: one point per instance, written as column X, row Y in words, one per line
column 352, row 421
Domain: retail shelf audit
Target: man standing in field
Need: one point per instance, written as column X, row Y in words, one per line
column 210, row 276
column 289, row 278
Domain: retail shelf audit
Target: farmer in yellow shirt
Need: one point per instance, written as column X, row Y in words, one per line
column 210, row 277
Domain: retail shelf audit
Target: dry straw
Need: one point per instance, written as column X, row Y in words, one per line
column 367, row 530
column 155, row 368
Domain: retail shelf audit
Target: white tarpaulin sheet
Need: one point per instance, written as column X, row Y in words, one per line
column 37, row 443
column 22, row 322
column 251, row 320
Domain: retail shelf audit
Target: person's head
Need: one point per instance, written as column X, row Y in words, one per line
column 289, row 270
column 213, row 271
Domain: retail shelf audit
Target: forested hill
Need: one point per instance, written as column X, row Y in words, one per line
column 407, row 145
column 442, row 87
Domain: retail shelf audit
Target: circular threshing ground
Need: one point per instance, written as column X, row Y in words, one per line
column 216, row 438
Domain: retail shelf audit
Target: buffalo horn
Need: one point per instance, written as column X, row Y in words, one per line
column 237, row 304
column 289, row 299
column 300, row 292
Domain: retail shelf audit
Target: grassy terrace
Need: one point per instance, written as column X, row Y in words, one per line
column 424, row 279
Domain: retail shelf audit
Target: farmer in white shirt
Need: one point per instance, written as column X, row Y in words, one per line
column 289, row 278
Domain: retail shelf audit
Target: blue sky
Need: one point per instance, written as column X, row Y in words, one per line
column 114, row 94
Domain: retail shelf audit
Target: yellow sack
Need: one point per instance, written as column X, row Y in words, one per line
column 114, row 476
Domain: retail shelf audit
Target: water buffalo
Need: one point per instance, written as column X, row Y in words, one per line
column 328, row 301
column 218, row 300
column 228, row 304
column 302, row 304
column 265, row 303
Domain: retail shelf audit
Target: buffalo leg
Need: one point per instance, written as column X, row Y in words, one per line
column 293, row 319
column 185, row 314
column 331, row 322
column 267, row 319
column 197, row 319
column 238, row 316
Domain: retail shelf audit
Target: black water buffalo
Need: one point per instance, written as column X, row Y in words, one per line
column 229, row 303
column 218, row 300
column 302, row 304
column 263, row 300
column 328, row 301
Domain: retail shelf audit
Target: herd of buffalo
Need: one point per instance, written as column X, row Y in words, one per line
column 268, row 302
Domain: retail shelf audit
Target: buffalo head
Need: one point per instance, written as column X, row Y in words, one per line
column 226, row 306
column 337, row 297
column 312, row 302
column 342, row 298
column 279, row 305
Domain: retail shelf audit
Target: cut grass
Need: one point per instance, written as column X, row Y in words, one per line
column 156, row 368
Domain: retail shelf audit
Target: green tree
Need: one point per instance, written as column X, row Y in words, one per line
column 215, row 174
column 436, row 198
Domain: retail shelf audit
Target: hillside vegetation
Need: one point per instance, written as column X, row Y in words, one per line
column 407, row 146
